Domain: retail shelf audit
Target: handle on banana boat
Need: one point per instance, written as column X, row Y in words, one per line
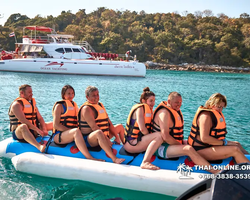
column 49, row 142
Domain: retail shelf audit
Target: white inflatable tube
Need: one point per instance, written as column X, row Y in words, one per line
column 3, row 147
column 165, row 182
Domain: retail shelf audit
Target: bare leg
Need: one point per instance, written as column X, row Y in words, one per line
column 75, row 135
column 152, row 147
column 80, row 143
column 49, row 126
column 118, row 133
column 23, row 132
column 182, row 150
column 223, row 152
column 150, row 143
column 97, row 138
column 236, row 143
column 244, row 151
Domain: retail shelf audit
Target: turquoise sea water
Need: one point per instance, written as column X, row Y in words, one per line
column 118, row 94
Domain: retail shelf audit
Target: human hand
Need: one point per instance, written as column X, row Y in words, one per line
column 40, row 132
column 45, row 132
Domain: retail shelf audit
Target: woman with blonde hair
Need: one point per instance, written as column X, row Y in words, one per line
column 208, row 132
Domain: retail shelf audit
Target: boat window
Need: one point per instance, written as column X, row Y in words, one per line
column 68, row 50
column 76, row 50
column 60, row 50
column 82, row 50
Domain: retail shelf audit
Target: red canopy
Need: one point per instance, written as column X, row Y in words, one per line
column 39, row 28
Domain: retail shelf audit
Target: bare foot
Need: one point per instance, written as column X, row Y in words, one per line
column 217, row 171
column 42, row 148
column 119, row 160
column 148, row 165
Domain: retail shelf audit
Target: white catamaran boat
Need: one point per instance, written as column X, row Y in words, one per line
column 55, row 53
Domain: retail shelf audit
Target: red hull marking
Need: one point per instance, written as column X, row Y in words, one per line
column 189, row 163
column 74, row 149
column 152, row 158
column 54, row 63
column 114, row 152
column 43, row 142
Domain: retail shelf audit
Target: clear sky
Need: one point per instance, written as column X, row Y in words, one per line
column 31, row 8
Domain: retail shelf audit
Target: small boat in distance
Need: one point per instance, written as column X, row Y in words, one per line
column 56, row 54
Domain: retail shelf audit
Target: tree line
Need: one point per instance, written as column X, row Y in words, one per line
column 199, row 38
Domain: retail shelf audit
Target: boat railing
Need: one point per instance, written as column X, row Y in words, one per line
column 84, row 44
column 36, row 39
column 45, row 39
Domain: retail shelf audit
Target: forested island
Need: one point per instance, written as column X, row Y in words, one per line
column 194, row 42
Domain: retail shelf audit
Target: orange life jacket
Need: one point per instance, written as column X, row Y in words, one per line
column 69, row 118
column 101, row 120
column 218, row 130
column 132, row 131
column 177, row 130
column 29, row 110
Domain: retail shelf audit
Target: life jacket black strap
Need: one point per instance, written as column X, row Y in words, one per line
column 103, row 125
column 195, row 127
column 176, row 128
column 181, row 133
column 198, row 141
column 101, row 120
column 130, row 134
column 196, row 133
column 219, row 130
column 68, row 122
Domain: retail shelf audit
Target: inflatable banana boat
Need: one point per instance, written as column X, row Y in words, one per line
column 65, row 161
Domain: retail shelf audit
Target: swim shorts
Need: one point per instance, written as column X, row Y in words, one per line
column 85, row 137
column 16, row 138
column 162, row 150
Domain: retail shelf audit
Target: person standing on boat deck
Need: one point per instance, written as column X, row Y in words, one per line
column 17, row 51
column 208, row 132
column 168, row 120
column 95, row 125
column 138, row 136
column 65, row 126
column 26, row 122
column 127, row 55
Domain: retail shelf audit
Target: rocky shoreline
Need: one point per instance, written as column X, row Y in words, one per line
column 196, row 67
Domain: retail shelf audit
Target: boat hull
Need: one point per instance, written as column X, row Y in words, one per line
column 70, row 66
